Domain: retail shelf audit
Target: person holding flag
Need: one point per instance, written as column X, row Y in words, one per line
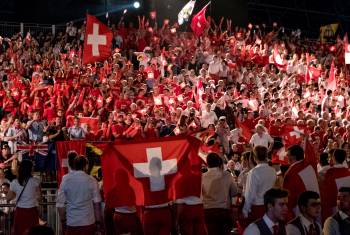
column 300, row 176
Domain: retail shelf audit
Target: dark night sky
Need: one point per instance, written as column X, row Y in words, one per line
column 291, row 13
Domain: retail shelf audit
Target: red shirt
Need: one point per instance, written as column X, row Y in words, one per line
column 49, row 114
column 118, row 129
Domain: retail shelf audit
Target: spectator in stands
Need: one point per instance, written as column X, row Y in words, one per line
column 26, row 190
column 15, row 134
column 273, row 221
column 8, row 162
column 76, row 132
column 36, row 128
column 261, row 137
column 309, row 204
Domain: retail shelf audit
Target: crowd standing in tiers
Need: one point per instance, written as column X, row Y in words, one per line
column 276, row 128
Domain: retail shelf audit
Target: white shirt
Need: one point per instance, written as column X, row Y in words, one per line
column 214, row 67
column 79, row 190
column 253, row 229
column 235, row 134
column 30, row 195
column 260, row 179
column 264, row 140
column 208, row 118
column 341, row 101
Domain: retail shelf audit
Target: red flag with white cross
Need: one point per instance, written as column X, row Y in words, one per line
column 199, row 22
column 98, row 41
column 293, row 135
column 152, row 172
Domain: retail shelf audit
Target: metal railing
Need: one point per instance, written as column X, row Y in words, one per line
column 8, row 29
column 47, row 212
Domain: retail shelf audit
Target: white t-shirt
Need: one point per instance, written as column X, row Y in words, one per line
column 264, row 140
column 208, row 118
column 30, row 195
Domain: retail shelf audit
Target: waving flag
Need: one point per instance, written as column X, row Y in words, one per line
column 293, row 135
column 199, row 22
column 332, row 82
column 98, row 41
column 186, row 12
column 151, row 172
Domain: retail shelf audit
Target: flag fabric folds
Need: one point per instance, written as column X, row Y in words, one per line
column 98, row 41
column 151, row 172
column 186, row 12
column 199, row 22
column 332, row 82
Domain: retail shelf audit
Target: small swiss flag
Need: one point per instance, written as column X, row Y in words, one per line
column 98, row 41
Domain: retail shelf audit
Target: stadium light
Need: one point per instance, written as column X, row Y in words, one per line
column 136, row 5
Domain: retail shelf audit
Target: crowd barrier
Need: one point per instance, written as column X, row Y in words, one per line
column 8, row 29
column 47, row 212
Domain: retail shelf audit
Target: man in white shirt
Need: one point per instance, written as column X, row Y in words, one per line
column 260, row 179
column 306, row 223
column 272, row 223
column 326, row 102
column 261, row 138
column 79, row 207
column 215, row 67
column 208, row 116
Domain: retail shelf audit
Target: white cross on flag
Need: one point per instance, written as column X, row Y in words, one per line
column 155, row 168
column 98, row 41
column 152, row 172
column 293, row 135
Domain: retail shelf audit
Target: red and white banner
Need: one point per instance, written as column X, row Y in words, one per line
column 98, row 41
column 151, row 173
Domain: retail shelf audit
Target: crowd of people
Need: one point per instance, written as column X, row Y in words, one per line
column 160, row 82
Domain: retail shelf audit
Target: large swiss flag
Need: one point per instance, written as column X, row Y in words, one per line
column 199, row 22
column 98, row 41
column 151, row 173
